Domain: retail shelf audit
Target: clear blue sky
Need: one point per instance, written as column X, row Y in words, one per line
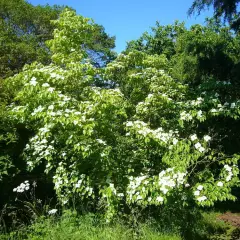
column 128, row 19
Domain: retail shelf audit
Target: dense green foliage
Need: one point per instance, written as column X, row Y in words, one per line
column 155, row 131
column 195, row 53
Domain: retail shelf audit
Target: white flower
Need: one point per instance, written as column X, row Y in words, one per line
column 233, row 105
column 30, row 164
column 187, row 185
column 22, row 187
column 201, row 149
column 129, row 124
column 51, row 107
column 45, row 85
column 228, row 168
column 149, row 199
column 139, row 197
column 120, row 195
column 198, row 145
column 213, row 110
column 228, row 178
column 53, row 211
column 200, row 187
column 197, row 193
column 199, row 113
column 159, row 199
column 164, row 190
column 193, row 137
column 50, row 89
column 175, row 141
column 33, row 81
column 203, row 198
column 150, row 95
column 207, row 138
column 219, row 184
column 101, row 141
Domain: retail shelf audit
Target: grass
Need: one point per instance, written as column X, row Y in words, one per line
column 88, row 227
column 91, row 227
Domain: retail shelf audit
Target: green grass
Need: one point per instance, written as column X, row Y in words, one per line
column 91, row 227
column 69, row 226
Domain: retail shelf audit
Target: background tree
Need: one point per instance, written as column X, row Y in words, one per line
column 25, row 28
column 228, row 9
column 195, row 53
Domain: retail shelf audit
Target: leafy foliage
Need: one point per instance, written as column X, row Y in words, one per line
column 153, row 131
column 153, row 139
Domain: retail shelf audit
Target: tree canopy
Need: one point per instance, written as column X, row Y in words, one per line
column 160, row 135
column 157, row 125
column 228, row 9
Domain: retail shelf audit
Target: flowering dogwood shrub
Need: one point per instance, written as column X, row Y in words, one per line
column 139, row 144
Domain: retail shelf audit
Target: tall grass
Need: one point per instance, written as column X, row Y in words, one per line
column 89, row 227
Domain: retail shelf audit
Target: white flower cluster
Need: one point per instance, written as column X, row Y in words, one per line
column 197, row 193
column 230, row 173
column 201, row 199
column 223, row 108
column 168, row 179
column 78, row 184
column 185, row 116
column 207, row 138
column 57, row 76
column 224, row 82
column 196, row 102
column 199, row 113
column 198, row 145
column 25, row 186
column 40, row 146
column 45, row 85
column 165, row 181
column 193, row 137
column 220, row 184
column 116, row 65
column 33, row 81
column 100, row 141
column 133, row 186
column 52, row 211
column 37, row 110
column 157, row 134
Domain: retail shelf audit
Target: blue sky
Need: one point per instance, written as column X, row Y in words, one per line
column 128, row 19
